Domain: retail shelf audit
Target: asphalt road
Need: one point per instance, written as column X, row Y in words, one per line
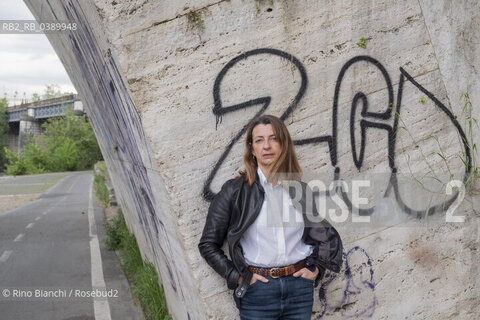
column 53, row 263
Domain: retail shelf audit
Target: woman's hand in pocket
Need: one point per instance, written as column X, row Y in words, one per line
column 254, row 279
column 307, row 274
column 257, row 277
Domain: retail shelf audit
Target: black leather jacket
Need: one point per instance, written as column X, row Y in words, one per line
column 233, row 210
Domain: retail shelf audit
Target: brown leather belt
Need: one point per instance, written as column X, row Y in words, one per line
column 278, row 272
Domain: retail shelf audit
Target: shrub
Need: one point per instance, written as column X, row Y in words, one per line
column 116, row 230
column 32, row 160
column 68, row 143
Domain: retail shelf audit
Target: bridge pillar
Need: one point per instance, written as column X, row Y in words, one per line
column 13, row 134
column 170, row 89
column 28, row 127
column 78, row 108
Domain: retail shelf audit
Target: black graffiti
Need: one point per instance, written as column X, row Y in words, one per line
column 219, row 110
column 370, row 120
column 352, row 288
column 365, row 113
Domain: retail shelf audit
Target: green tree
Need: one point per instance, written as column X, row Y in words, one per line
column 70, row 140
column 3, row 132
column 53, row 91
column 32, row 160
column 35, row 97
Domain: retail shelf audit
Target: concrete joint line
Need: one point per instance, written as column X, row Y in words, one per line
column 154, row 24
column 101, row 308
column 5, row 255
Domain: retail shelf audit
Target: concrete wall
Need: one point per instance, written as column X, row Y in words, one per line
column 172, row 101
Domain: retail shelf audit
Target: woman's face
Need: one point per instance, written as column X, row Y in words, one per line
column 265, row 146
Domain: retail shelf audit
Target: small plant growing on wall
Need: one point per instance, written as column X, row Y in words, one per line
column 362, row 43
column 470, row 163
column 469, row 123
column 283, row 8
column 431, row 173
column 195, row 20
column 257, row 4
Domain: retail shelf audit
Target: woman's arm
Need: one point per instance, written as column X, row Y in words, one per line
column 327, row 244
column 214, row 233
column 312, row 264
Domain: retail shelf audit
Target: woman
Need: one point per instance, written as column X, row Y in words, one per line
column 277, row 254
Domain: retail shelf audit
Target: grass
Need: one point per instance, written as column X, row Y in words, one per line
column 102, row 166
column 470, row 123
column 141, row 274
column 146, row 286
column 115, row 229
column 101, row 190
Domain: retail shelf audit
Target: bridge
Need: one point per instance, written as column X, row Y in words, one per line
column 27, row 119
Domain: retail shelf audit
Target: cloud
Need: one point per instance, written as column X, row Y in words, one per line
column 14, row 10
column 27, row 61
column 25, row 43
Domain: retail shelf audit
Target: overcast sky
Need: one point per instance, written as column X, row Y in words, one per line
column 27, row 61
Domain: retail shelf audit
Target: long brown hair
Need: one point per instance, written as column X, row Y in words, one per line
column 287, row 162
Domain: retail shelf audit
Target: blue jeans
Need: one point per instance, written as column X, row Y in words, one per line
column 282, row 298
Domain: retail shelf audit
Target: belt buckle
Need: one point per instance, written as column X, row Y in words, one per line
column 271, row 273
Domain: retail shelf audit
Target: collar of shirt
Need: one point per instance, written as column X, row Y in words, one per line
column 263, row 179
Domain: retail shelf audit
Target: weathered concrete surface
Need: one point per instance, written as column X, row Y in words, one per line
column 453, row 26
column 154, row 81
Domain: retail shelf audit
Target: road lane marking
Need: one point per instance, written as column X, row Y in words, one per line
column 29, row 225
column 101, row 308
column 70, row 189
column 37, row 218
column 48, row 210
column 5, row 255
column 19, row 237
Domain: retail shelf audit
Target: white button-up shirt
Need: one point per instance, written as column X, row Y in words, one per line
column 275, row 237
